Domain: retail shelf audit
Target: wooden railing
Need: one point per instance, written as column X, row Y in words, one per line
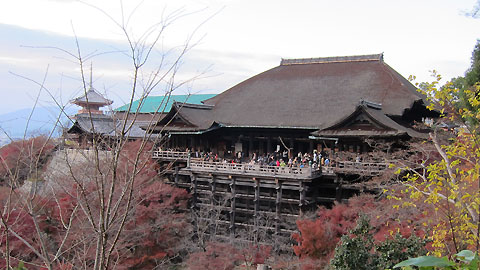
column 254, row 169
column 171, row 155
column 197, row 164
column 364, row 168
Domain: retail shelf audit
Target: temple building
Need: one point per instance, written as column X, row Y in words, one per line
column 302, row 105
column 91, row 122
column 153, row 108
column 329, row 107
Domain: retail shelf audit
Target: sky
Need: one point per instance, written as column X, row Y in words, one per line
column 229, row 41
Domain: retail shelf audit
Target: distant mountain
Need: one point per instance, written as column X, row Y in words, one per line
column 42, row 122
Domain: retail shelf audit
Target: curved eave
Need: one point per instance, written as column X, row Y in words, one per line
column 78, row 103
column 391, row 128
column 174, row 112
column 266, row 127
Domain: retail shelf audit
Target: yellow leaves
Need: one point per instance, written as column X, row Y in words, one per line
column 415, row 195
column 409, row 204
column 391, row 197
column 449, row 186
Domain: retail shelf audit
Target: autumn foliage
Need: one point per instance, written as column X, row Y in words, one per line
column 318, row 237
column 154, row 220
column 226, row 257
column 23, row 158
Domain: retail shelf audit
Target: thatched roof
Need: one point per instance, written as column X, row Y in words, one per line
column 309, row 93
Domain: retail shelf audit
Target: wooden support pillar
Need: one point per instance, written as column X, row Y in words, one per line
column 233, row 141
column 302, row 191
column 256, row 202
column 291, row 145
column 212, row 203
column 250, row 146
column 278, row 206
column 193, row 190
column 269, row 144
column 176, row 176
column 364, row 148
column 232, row 206
column 194, row 144
column 338, row 189
column 213, row 188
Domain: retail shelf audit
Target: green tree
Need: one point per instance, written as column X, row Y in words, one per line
column 360, row 251
column 465, row 85
column 472, row 76
column 448, row 177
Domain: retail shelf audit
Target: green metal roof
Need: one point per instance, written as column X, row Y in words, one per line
column 151, row 104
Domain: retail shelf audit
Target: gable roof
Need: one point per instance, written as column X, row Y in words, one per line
column 378, row 125
column 308, row 94
column 152, row 104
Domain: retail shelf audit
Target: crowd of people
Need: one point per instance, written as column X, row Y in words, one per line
column 277, row 158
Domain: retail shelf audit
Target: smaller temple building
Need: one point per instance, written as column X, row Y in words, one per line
column 91, row 122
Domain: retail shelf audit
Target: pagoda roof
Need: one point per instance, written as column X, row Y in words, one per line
column 93, row 98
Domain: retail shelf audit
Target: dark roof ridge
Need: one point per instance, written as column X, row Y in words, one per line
column 332, row 59
column 179, row 104
column 370, row 104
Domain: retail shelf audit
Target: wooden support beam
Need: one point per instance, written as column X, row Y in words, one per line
column 232, row 207
column 303, row 191
column 250, row 146
column 193, row 189
column 278, row 206
column 212, row 201
column 291, row 145
column 338, row 189
column 176, row 176
column 213, row 188
column 256, row 202
column 269, row 144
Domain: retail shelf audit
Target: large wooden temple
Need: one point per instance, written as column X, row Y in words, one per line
column 313, row 103
column 331, row 105
column 322, row 113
